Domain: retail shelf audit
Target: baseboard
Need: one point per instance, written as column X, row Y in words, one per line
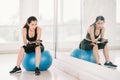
column 9, row 51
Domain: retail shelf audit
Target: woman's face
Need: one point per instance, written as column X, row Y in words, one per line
column 32, row 25
column 99, row 23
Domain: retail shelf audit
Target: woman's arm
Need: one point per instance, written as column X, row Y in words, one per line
column 38, row 35
column 102, row 33
column 91, row 32
column 102, row 36
column 24, row 36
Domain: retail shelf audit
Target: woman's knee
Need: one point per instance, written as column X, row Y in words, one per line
column 21, row 51
column 95, row 46
column 37, row 48
column 105, row 46
column 41, row 48
column 22, row 48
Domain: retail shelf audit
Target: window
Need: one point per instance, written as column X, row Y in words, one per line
column 118, row 11
column 118, row 19
column 9, row 21
column 46, row 21
column 46, row 12
column 9, row 14
column 69, row 11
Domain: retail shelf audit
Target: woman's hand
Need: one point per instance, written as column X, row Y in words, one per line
column 104, row 40
column 94, row 42
column 38, row 42
column 31, row 42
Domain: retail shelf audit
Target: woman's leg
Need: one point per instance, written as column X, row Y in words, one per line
column 19, row 60
column 105, row 52
column 106, row 55
column 20, row 57
column 95, row 53
column 38, row 55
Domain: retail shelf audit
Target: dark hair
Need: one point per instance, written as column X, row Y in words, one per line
column 99, row 18
column 31, row 18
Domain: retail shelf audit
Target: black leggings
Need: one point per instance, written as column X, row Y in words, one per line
column 86, row 45
column 31, row 47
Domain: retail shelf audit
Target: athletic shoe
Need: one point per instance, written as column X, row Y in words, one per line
column 110, row 64
column 15, row 70
column 37, row 71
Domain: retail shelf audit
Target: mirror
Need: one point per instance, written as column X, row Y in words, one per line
column 74, row 21
column 108, row 9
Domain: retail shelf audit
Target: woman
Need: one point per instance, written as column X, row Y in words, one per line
column 95, row 40
column 31, row 43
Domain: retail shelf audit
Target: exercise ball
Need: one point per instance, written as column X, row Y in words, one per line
column 29, row 61
column 76, row 53
column 83, row 54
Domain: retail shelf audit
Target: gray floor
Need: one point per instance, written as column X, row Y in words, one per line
column 7, row 62
column 114, row 57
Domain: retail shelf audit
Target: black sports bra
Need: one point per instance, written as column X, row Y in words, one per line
column 31, row 38
column 88, row 35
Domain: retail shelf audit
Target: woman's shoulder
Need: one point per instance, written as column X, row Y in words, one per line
column 24, row 30
column 38, row 28
column 91, row 27
column 103, row 29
